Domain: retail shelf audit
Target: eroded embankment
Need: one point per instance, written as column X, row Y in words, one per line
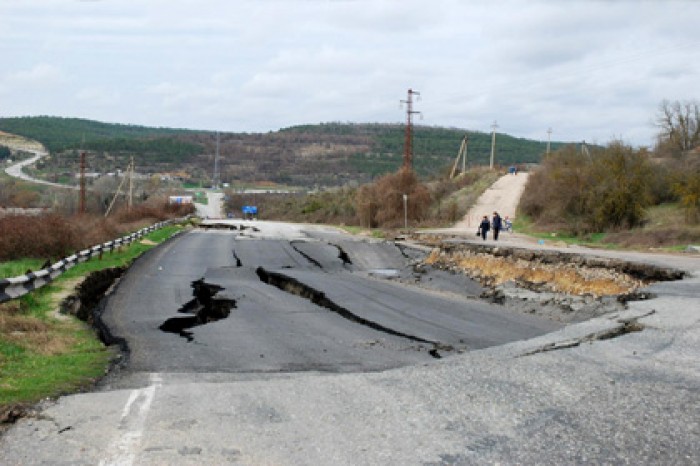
column 567, row 287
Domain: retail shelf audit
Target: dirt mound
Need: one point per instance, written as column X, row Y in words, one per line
column 560, row 286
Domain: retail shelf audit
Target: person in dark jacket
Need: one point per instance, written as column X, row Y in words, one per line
column 484, row 227
column 497, row 224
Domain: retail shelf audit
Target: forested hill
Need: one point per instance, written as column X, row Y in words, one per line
column 58, row 134
column 327, row 154
column 434, row 148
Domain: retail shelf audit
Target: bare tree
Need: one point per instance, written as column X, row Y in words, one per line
column 679, row 124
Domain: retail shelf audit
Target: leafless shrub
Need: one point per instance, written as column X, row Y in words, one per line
column 604, row 190
column 382, row 203
column 41, row 236
column 52, row 236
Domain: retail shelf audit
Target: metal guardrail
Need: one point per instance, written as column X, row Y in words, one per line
column 14, row 287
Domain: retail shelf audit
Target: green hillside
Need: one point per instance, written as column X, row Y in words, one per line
column 327, row 154
column 59, row 134
column 433, row 147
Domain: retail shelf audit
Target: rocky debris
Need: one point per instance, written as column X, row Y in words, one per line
column 560, row 286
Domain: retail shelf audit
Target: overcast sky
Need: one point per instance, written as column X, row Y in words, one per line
column 590, row 70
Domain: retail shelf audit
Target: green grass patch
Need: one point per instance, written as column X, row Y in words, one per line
column 524, row 225
column 117, row 257
column 43, row 356
column 19, row 267
column 28, row 376
column 201, row 198
column 352, row 229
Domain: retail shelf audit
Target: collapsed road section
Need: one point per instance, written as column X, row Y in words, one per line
column 293, row 286
column 447, row 322
column 566, row 287
column 267, row 303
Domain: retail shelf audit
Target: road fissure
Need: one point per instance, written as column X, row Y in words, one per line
column 297, row 288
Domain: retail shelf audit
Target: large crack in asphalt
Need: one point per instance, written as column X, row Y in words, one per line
column 319, row 298
column 342, row 254
column 239, row 263
column 305, row 255
column 626, row 326
column 205, row 307
column 227, row 226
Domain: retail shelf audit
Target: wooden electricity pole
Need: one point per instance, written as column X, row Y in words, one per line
column 82, row 182
column 461, row 154
column 128, row 174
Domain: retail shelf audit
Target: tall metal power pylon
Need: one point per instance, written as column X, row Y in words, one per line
column 408, row 141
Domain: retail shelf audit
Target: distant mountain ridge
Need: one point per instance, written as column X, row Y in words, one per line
column 326, row 154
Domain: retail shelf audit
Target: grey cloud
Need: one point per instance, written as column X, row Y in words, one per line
column 590, row 69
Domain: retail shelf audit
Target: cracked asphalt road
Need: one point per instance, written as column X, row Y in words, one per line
column 633, row 399
column 383, row 324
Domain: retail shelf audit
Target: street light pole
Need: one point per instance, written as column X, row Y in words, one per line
column 405, row 211
column 494, row 126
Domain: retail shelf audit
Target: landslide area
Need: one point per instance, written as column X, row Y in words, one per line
column 564, row 287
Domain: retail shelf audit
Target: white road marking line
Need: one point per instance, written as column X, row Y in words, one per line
column 122, row 451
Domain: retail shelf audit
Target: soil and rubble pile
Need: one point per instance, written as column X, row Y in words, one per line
column 561, row 286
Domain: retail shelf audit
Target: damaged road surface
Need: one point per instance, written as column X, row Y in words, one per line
column 246, row 301
column 272, row 346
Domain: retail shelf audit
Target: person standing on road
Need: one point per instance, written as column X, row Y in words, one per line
column 484, row 227
column 497, row 224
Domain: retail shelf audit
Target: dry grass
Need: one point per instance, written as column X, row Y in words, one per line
column 32, row 333
column 667, row 225
column 18, row 142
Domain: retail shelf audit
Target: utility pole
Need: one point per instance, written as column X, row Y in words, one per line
column 462, row 153
column 584, row 149
column 464, row 159
column 408, row 141
column 217, row 175
column 494, row 126
column 128, row 173
column 549, row 138
column 82, row 182
column 131, row 184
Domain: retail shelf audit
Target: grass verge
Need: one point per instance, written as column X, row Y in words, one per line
column 19, row 267
column 665, row 229
column 47, row 354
